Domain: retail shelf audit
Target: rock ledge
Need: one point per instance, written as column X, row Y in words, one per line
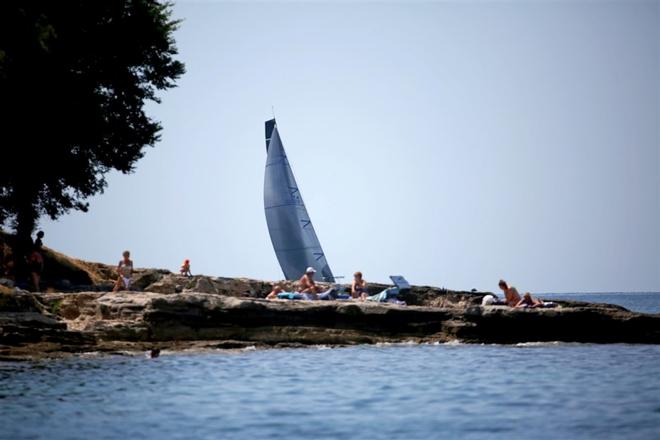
column 50, row 325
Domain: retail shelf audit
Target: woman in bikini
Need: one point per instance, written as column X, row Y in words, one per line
column 359, row 286
column 124, row 270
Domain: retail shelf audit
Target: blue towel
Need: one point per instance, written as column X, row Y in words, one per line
column 380, row 297
column 327, row 295
column 289, row 295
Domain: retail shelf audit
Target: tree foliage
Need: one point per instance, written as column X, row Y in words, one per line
column 75, row 76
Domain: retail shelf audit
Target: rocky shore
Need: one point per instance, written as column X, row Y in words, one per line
column 173, row 312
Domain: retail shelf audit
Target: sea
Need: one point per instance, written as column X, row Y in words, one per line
column 392, row 391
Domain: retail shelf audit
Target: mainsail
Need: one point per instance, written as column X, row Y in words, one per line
column 294, row 239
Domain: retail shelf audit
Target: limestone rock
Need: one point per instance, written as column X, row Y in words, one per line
column 167, row 284
column 76, row 322
column 202, row 285
column 144, row 278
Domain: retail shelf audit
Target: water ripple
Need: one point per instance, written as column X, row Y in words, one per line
column 375, row 392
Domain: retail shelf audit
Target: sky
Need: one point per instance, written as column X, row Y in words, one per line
column 455, row 143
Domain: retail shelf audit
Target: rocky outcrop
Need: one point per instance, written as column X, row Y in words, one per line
column 77, row 322
column 169, row 283
column 171, row 311
column 573, row 322
column 27, row 327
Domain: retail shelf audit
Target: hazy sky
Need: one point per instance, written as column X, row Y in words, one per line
column 454, row 143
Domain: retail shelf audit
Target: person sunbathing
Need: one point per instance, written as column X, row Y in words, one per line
column 273, row 293
column 511, row 295
column 529, row 301
column 307, row 284
column 359, row 286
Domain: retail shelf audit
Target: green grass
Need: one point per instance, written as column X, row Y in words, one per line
column 56, row 307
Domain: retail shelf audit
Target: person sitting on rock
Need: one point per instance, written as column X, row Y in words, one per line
column 277, row 288
column 511, row 295
column 307, row 285
column 359, row 286
column 185, row 269
column 125, row 271
column 529, row 301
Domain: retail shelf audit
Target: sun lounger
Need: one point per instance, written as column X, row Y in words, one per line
column 401, row 283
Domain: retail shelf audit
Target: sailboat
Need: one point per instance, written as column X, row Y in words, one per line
column 291, row 231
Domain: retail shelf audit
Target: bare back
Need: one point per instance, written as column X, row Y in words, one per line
column 512, row 296
column 306, row 283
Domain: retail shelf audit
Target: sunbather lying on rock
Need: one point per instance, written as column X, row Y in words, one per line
column 273, row 293
column 528, row 301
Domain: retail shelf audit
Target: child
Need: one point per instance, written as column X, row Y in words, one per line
column 185, row 269
column 124, row 270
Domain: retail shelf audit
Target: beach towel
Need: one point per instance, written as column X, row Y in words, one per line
column 333, row 294
column 545, row 305
column 289, row 295
column 385, row 295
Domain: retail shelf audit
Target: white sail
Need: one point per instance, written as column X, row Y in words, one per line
column 294, row 239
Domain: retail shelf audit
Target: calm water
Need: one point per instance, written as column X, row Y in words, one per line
column 646, row 302
column 368, row 392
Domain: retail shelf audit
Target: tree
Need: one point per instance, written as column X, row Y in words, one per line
column 74, row 78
